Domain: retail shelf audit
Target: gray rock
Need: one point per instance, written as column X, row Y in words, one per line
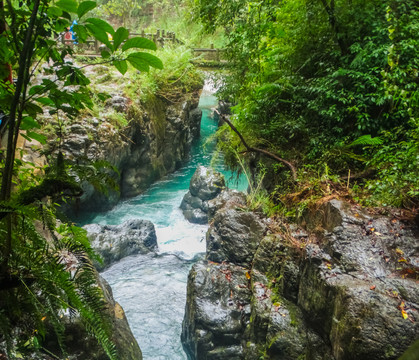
column 206, row 184
column 156, row 141
column 234, row 237
column 226, row 199
column 118, row 103
column 350, row 293
column 113, row 242
column 217, row 312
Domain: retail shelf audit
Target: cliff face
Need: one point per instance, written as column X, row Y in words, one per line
column 340, row 286
column 155, row 142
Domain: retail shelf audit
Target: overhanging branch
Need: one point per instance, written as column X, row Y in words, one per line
column 261, row 151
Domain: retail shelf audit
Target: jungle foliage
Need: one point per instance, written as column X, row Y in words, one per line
column 45, row 264
column 152, row 15
column 326, row 84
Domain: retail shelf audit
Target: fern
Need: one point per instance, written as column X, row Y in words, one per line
column 366, row 140
column 47, row 286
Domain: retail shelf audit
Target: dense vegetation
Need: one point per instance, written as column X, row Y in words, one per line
column 45, row 264
column 168, row 15
column 330, row 85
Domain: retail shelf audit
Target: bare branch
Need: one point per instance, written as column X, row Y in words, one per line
column 261, row 151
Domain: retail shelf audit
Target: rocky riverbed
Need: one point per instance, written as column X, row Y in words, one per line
column 339, row 285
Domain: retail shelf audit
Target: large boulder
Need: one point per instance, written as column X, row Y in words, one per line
column 234, row 236
column 358, row 287
column 205, row 185
column 343, row 287
column 217, row 312
column 113, row 242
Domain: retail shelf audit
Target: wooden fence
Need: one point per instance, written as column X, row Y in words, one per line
column 209, row 54
column 93, row 46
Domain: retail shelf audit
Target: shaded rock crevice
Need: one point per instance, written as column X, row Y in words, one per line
column 155, row 141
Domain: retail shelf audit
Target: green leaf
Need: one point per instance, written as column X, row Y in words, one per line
column 68, row 5
column 105, row 54
column 102, row 25
column 66, row 16
column 149, row 59
column 121, row 65
column 37, row 89
column 85, row 7
column 29, row 123
column 33, row 109
column 61, row 25
column 99, row 34
column 140, row 43
column 139, row 64
column 38, row 137
column 366, row 140
column 103, row 96
column 45, row 101
column 81, row 32
column 120, row 35
column 54, row 12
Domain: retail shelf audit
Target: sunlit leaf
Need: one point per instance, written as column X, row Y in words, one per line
column 139, row 64
column 45, row 101
column 120, row 35
column 121, row 65
column 67, row 5
column 85, row 7
column 54, row 12
column 29, row 123
column 147, row 58
column 81, row 32
column 101, row 24
column 99, row 34
column 38, row 137
column 140, row 43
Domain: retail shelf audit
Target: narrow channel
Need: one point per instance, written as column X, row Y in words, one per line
column 152, row 288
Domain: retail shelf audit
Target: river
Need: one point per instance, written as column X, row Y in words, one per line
column 152, row 288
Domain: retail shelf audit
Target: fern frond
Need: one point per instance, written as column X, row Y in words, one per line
column 366, row 140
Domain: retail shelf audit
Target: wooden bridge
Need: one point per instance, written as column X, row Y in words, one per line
column 201, row 56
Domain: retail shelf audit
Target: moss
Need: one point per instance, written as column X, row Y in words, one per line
column 156, row 111
column 389, row 351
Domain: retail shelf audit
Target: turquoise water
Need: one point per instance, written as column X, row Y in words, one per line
column 152, row 288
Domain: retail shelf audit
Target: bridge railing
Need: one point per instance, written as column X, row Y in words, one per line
column 93, row 46
column 209, row 54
